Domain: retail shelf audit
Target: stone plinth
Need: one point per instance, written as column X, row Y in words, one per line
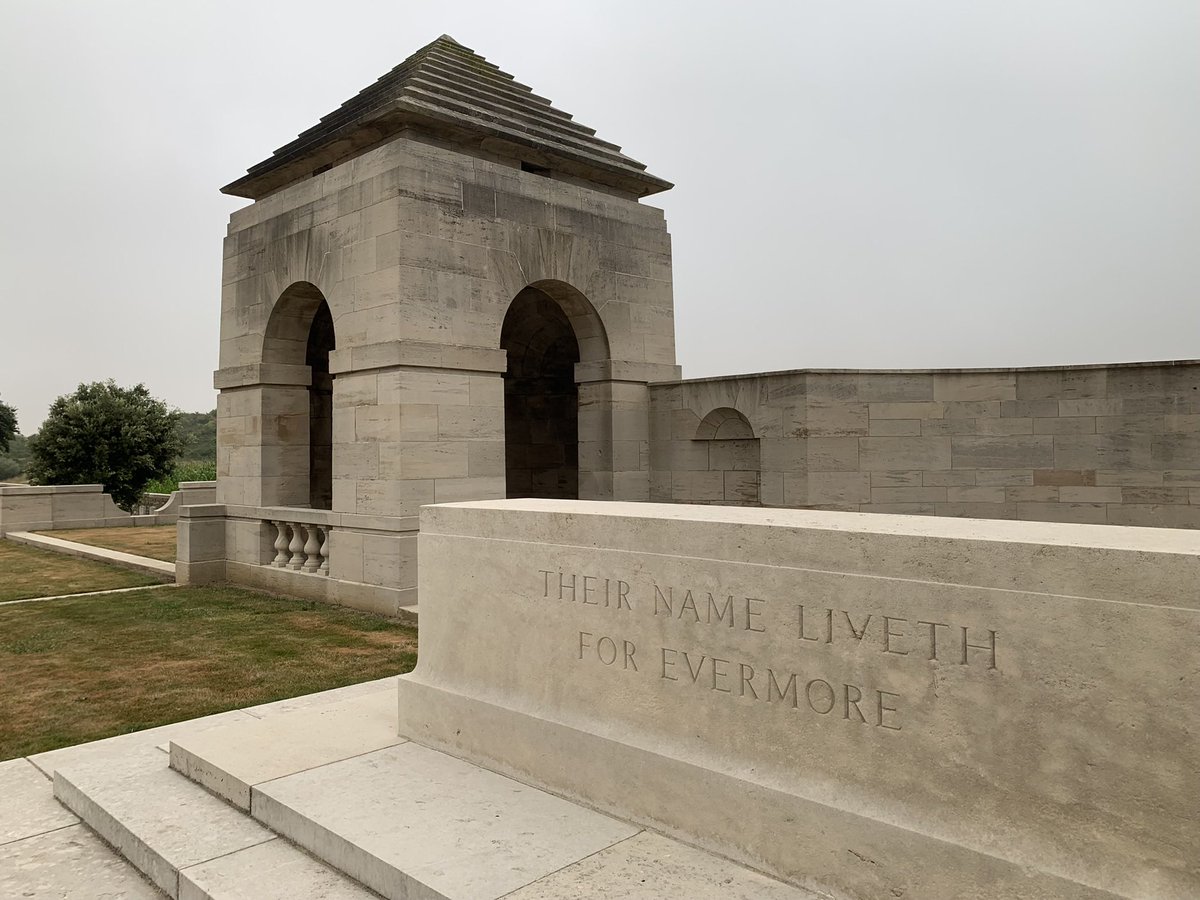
column 858, row 704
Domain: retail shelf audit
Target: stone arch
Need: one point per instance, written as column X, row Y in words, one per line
column 722, row 424
column 734, row 476
column 548, row 328
column 300, row 332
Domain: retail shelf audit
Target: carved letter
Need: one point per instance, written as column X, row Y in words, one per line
column 582, row 643
column 879, row 723
column 623, row 594
column 751, row 612
column 933, row 627
column 857, row 634
column 719, row 673
column 991, row 645
column 803, row 636
column 689, row 603
column 747, row 681
column 589, row 587
column 888, row 634
column 562, row 586
column 721, row 613
column 612, row 651
column 790, row 687
column 545, row 583
column 658, row 595
column 808, row 692
column 699, row 666
column 630, row 649
column 666, row 662
column 852, row 701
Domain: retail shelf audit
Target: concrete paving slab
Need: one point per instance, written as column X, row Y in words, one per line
column 322, row 698
column 228, row 761
column 410, row 822
column 69, row 864
column 164, row 570
column 154, row 817
column 29, row 806
column 120, row 745
column 275, row 870
column 649, row 866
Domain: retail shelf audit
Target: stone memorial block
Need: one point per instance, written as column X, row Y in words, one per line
column 870, row 706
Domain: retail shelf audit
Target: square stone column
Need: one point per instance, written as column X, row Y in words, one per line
column 262, row 435
column 614, row 427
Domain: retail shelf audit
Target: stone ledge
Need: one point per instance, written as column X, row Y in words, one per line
column 417, row 354
column 262, row 374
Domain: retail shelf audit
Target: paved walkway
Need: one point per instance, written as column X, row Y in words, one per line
column 165, row 570
column 44, row 849
column 145, row 587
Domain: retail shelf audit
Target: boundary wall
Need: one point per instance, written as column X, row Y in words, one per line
column 1115, row 444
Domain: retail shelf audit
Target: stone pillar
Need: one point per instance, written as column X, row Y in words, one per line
column 614, row 428
column 262, row 435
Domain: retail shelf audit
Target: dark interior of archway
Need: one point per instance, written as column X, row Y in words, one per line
column 541, row 399
column 320, row 410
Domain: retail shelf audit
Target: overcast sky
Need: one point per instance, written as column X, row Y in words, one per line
column 859, row 184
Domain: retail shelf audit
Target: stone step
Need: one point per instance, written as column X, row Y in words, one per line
column 230, row 761
column 188, row 843
column 414, row 823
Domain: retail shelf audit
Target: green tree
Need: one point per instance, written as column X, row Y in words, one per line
column 105, row 434
column 8, row 425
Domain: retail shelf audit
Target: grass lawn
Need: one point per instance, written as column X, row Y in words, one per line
column 32, row 572
column 80, row 669
column 154, row 541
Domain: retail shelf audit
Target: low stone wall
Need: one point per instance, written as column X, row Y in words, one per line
column 1115, row 445
column 53, row 507
column 364, row 562
column 866, row 706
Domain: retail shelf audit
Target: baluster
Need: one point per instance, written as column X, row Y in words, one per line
column 281, row 545
column 296, row 548
column 312, row 547
column 324, row 568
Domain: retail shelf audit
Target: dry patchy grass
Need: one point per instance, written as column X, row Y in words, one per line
column 77, row 670
column 154, row 541
column 33, row 572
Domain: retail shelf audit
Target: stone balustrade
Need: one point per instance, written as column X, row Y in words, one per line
column 301, row 546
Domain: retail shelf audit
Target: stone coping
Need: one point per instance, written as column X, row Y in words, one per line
column 1108, row 537
column 25, row 489
column 951, row 371
column 300, row 514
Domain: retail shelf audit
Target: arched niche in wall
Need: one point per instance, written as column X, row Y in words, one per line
column 734, row 460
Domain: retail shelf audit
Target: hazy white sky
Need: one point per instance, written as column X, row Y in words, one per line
column 860, row 184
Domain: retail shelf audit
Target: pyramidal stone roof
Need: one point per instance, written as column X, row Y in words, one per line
column 449, row 92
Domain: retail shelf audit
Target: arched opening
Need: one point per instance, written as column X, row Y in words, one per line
column 320, row 410
column 548, row 328
column 734, row 460
column 300, row 333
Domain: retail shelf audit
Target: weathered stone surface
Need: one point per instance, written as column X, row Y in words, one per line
column 29, row 807
column 229, row 761
column 410, row 821
column 938, row 675
column 154, row 817
column 68, row 863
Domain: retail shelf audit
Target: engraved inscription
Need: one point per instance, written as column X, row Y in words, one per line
column 790, row 685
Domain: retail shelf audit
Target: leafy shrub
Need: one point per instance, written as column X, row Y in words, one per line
column 184, row 471
column 119, row 437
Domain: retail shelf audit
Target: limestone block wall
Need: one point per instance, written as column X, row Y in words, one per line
column 419, row 251
column 49, row 507
column 1094, row 444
